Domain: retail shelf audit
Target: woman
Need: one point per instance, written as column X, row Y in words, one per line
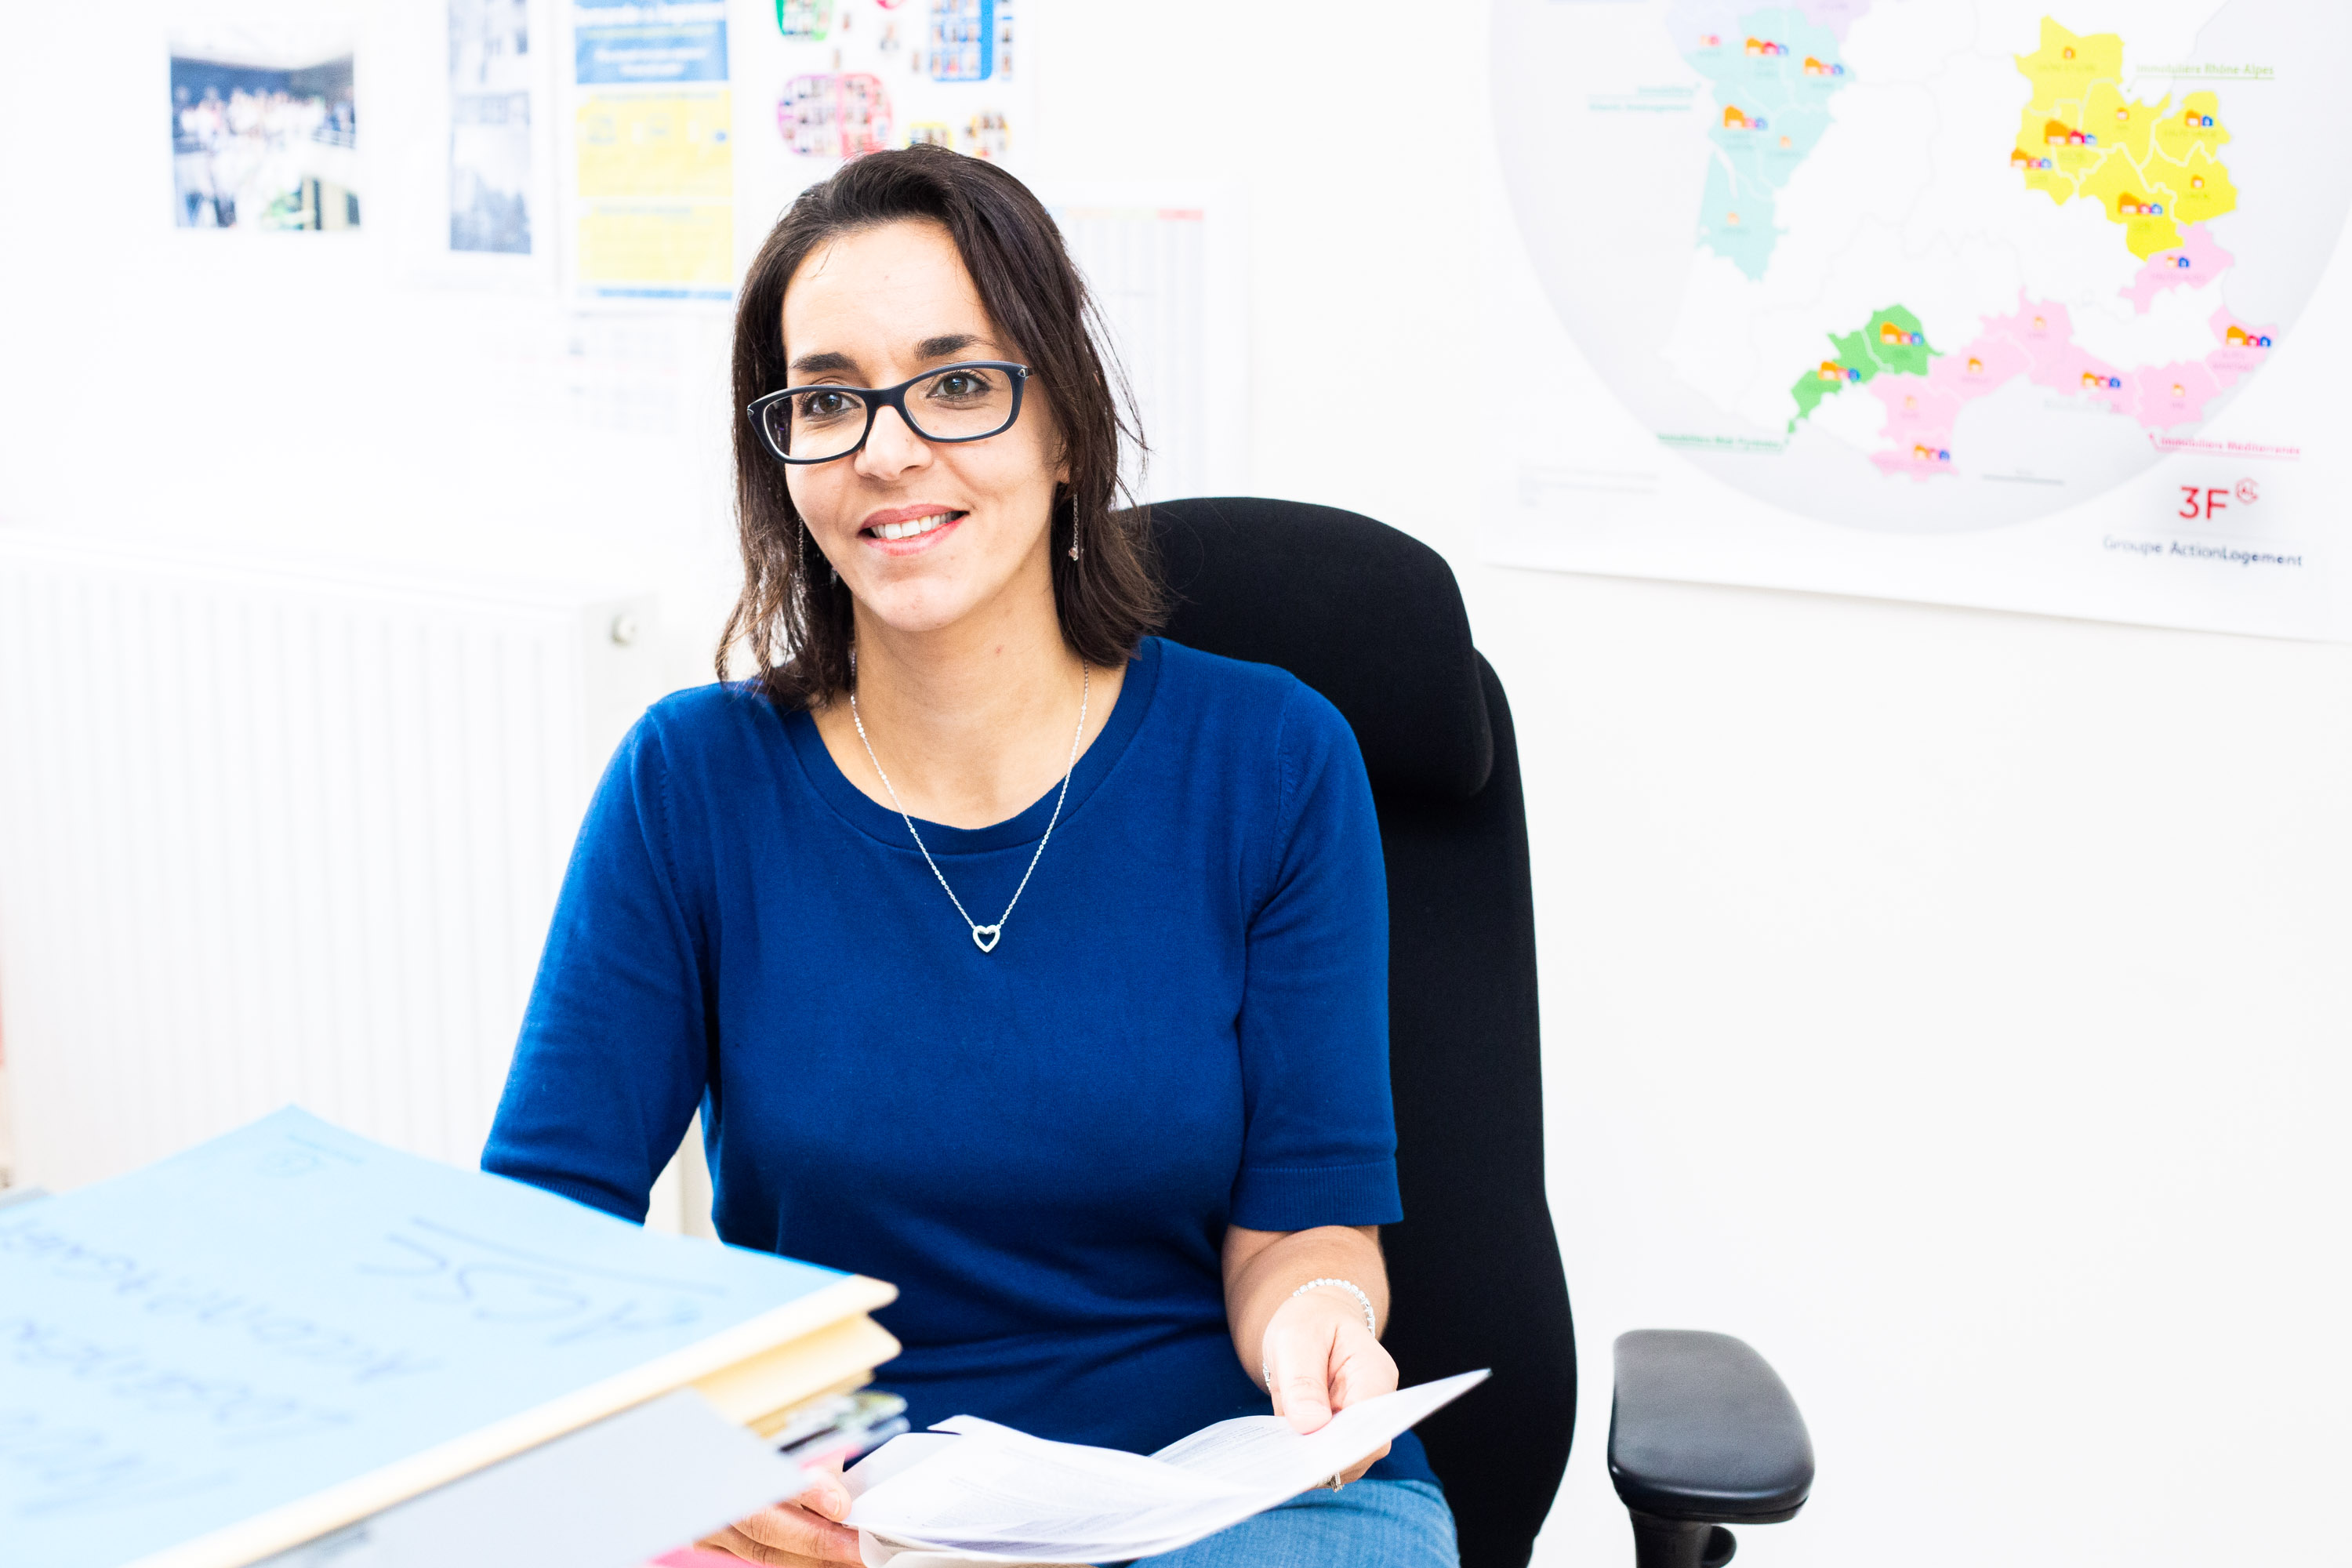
column 1013, row 955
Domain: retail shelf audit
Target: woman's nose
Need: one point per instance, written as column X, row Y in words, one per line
column 891, row 446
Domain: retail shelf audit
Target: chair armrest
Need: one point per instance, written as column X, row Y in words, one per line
column 1703, row 1431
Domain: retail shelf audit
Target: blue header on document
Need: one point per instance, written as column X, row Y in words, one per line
column 648, row 42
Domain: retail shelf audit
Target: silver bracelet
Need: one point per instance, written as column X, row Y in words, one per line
column 1371, row 1324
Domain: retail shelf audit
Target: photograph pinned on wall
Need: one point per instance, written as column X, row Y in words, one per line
column 265, row 125
column 491, row 71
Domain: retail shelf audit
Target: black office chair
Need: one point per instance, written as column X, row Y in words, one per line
column 1703, row 1434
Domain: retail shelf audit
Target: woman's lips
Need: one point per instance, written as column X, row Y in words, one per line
column 912, row 529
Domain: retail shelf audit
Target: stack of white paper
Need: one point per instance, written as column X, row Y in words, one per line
column 971, row 1490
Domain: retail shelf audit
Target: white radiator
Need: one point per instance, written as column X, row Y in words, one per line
column 272, row 835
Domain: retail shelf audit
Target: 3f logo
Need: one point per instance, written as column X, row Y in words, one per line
column 2208, row 502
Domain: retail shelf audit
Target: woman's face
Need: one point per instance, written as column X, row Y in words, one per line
column 875, row 309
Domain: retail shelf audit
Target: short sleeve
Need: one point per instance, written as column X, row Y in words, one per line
column 1320, row 1147
column 611, row 1059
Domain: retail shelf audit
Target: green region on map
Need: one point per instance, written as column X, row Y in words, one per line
column 1891, row 343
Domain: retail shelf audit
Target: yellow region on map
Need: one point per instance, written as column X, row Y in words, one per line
column 2152, row 167
column 676, row 146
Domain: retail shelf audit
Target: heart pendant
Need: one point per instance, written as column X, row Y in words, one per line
column 984, row 937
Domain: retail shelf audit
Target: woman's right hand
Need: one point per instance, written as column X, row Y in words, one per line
column 805, row 1532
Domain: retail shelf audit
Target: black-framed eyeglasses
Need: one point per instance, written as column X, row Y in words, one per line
column 969, row 401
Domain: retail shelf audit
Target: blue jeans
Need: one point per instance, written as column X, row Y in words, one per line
column 1366, row 1524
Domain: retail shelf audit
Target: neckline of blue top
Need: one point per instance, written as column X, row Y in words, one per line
column 878, row 822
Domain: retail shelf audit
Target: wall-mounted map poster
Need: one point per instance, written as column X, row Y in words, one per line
column 1987, row 302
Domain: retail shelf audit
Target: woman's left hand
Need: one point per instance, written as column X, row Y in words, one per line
column 1320, row 1359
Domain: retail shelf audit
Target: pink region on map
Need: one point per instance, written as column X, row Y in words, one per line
column 2170, row 395
column 2243, row 348
column 1922, row 409
column 2070, row 370
column 2194, row 263
column 1919, row 420
column 2174, row 394
column 2043, row 333
column 2037, row 343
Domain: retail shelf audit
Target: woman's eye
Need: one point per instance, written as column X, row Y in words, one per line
column 958, row 386
column 825, row 405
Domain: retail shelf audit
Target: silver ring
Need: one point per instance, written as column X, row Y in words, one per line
column 1335, row 1483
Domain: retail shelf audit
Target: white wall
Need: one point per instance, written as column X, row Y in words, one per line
column 1954, row 1005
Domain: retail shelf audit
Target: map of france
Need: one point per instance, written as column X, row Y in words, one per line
column 2155, row 172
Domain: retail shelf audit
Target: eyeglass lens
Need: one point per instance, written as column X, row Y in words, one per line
column 958, row 403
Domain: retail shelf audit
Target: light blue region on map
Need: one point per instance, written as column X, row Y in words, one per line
column 1772, row 112
column 1746, row 243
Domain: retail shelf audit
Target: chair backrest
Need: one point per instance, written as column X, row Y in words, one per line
column 1372, row 619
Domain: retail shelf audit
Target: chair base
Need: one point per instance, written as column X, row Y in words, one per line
column 1674, row 1543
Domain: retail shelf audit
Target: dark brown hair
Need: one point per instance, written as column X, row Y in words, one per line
column 793, row 615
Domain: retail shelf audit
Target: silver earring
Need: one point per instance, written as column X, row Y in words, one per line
column 1074, row 530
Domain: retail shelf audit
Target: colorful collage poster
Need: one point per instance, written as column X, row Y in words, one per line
column 836, row 78
column 652, row 181
column 889, row 73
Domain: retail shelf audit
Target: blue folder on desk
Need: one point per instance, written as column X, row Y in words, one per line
column 242, row 1347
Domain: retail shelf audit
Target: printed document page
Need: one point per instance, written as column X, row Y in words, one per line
column 989, row 1493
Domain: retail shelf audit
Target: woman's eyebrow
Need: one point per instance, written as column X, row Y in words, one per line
column 821, row 364
column 946, row 345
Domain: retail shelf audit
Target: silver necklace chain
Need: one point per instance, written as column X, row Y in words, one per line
column 985, row 938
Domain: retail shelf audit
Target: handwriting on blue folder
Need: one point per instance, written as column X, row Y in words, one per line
column 291, row 1306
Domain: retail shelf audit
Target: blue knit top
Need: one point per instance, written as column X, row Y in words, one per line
column 1184, row 1025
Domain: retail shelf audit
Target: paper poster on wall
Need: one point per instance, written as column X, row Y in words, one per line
column 653, row 166
column 491, row 75
column 264, row 125
column 1994, row 303
column 835, row 78
column 900, row 72
column 1168, row 269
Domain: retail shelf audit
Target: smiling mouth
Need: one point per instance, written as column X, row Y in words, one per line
column 914, row 527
